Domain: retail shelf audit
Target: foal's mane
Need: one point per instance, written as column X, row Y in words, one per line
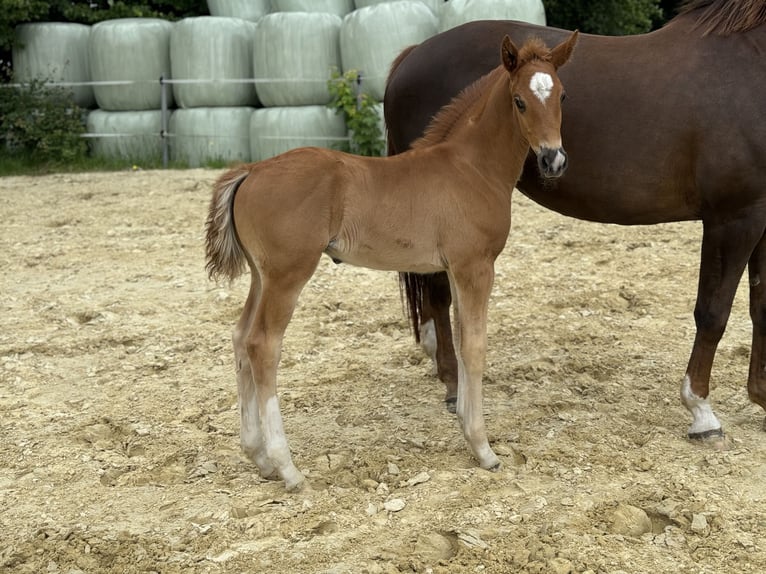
column 445, row 120
column 724, row 17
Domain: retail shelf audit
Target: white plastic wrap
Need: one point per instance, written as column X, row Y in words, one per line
column 212, row 48
column 294, row 53
column 337, row 7
column 277, row 130
column 434, row 5
column 457, row 12
column 372, row 37
column 133, row 50
column 245, row 9
column 55, row 52
column 202, row 135
column 133, row 136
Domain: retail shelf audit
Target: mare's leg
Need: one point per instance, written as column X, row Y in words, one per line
column 471, row 290
column 279, row 294
column 756, row 382
column 436, row 320
column 726, row 247
column 251, row 437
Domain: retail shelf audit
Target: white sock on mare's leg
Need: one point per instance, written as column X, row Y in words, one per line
column 705, row 420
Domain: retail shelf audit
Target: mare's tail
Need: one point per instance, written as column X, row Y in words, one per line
column 225, row 256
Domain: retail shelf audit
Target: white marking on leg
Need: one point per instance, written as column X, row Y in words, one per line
column 704, row 418
column 428, row 341
column 541, row 85
column 276, row 445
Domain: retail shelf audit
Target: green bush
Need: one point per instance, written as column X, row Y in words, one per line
column 608, row 17
column 42, row 123
column 359, row 112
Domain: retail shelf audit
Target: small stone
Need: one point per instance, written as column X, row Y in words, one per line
column 238, row 512
column 418, row 479
column 560, row 566
column 394, row 505
column 631, row 521
column 433, row 547
column 472, row 538
column 393, row 470
column 699, row 524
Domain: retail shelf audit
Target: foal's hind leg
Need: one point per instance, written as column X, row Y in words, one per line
column 436, row 304
column 756, row 382
column 726, row 248
column 251, row 436
column 279, row 294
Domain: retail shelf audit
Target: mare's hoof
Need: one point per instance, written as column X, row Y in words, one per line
column 715, row 439
column 451, row 404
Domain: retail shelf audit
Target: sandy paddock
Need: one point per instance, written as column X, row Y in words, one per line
column 120, row 448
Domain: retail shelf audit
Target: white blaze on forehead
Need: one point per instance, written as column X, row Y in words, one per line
column 541, row 85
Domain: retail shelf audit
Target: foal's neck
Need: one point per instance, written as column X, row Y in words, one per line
column 489, row 134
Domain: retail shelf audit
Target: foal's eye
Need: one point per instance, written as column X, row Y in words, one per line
column 563, row 96
column 519, row 103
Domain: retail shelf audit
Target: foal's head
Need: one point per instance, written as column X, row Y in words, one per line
column 537, row 95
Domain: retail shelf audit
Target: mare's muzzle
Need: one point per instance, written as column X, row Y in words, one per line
column 552, row 162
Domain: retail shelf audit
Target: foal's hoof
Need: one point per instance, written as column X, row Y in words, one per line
column 711, row 434
column 451, row 404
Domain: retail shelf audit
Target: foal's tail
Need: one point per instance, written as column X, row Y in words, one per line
column 225, row 256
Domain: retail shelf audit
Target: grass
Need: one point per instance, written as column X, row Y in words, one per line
column 27, row 165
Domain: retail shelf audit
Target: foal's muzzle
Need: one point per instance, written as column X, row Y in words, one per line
column 552, row 162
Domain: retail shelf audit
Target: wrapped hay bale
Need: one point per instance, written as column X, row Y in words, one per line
column 133, row 136
column 212, row 48
column 245, row 9
column 372, row 37
column 294, row 53
column 131, row 50
column 434, row 5
column 54, row 52
column 203, row 135
column 337, row 7
column 456, row 12
column 277, row 130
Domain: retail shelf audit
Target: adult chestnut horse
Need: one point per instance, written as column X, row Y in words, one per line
column 665, row 126
column 279, row 216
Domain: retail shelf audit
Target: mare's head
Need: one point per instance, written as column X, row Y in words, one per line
column 537, row 94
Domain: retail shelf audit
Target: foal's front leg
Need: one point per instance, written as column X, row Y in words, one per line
column 471, row 289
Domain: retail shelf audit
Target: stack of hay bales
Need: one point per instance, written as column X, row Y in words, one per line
column 212, row 119
column 246, row 9
column 293, row 55
column 261, row 68
column 55, row 52
column 127, row 58
column 457, row 12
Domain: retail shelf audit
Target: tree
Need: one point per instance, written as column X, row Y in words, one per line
column 13, row 12
column 608, row 17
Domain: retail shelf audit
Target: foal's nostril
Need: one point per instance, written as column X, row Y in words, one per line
column 552, row 162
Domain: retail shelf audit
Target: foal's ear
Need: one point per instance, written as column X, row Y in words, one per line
column 510, row 54
column 561, row 53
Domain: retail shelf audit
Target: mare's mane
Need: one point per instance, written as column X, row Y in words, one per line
column 724, row 17
column 445, row 120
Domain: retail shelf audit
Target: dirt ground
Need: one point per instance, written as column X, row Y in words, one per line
column 118, row 405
